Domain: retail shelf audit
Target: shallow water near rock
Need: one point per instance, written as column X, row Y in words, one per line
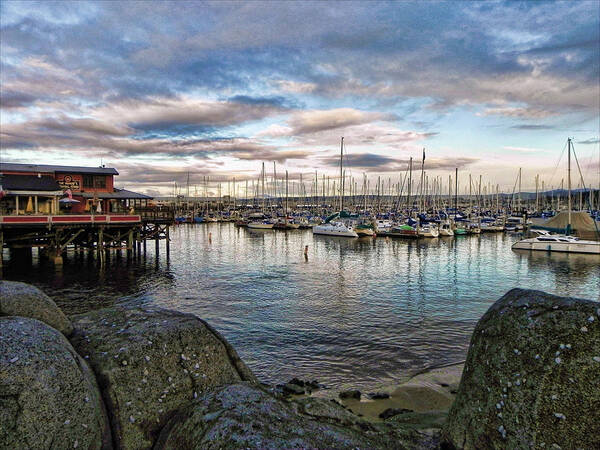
column 357, row 313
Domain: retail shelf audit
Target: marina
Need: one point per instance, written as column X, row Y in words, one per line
column 299, row 225
column 357, row 312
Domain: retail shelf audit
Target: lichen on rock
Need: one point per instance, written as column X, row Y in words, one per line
column 530, row 379
column 25, row 300
column 151, row 362
column 48, row 395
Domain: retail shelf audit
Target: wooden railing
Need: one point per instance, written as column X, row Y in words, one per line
column 156, row 214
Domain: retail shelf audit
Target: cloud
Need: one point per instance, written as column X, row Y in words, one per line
column 371, row 162
column 307, row 122
column 533, row 127
column 590, row 141
column 296, row 87
column 524, row 149
column 527, row 113
column 15, row 99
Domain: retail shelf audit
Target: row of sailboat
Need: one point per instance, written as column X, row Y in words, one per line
column 425, row 220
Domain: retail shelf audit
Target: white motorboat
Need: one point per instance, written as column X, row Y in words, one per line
column 428, row 230
column 383, row 226
column 260, row 225
column 335, row 229
column 558, row 243
column 446, row 229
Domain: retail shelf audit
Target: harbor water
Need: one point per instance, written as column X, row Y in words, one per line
column 352, row 313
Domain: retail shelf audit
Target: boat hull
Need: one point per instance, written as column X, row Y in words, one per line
column 333, row 231
column 260, row 226
column 589, row 247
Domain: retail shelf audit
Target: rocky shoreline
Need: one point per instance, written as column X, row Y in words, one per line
column 130, row 377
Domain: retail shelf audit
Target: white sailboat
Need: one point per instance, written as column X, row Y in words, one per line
column 260, row 221
column 560, row 242
column 333, row 227
column 428, row 230
column 446, row 228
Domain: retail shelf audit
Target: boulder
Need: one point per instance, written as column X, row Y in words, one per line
column 48, row 394
column 354, row 394
column 25, row 300
column 245, row 416
column 532, row 376
column 391, row 412
column 149, row 362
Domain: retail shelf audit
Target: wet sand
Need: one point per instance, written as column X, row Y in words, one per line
column 432, row 391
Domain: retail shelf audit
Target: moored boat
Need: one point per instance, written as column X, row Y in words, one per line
column 558, row 243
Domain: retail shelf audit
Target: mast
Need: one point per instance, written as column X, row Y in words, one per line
column 409, row 183
column 455, row 192
column 341, row 175
column 263, row 187
column 569, row 182
column 286, row 196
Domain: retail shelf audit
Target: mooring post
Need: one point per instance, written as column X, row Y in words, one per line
column 168, row 241
column 129, row 243
column 156, row 239
column 101, row 255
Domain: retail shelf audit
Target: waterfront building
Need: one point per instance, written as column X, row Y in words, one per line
column 86, row 190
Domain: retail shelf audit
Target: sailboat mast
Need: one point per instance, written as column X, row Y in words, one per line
column 455, row 193
column 409, row 183
column 286, row 196
column 569, row 182
column 341, row 175
column 263, row 187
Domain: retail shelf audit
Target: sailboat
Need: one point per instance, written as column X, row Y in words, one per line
column 446, row 228
column 259, row 221
column 333, row 227
column 560, row 242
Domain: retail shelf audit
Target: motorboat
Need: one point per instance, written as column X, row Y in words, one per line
column 558, row 243
column 403, row 231
column 428, row 230
column 335, row 229
column 445, row 229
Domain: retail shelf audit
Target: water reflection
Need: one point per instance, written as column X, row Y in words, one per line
column 355, row 311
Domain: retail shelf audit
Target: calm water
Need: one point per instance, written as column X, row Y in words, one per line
column 358, row 312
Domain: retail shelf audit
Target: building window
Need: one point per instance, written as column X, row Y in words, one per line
column 100, row 182
column 88, row 181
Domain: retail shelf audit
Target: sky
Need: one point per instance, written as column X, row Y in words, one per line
column 160, row 90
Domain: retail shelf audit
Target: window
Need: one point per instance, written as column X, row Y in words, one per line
column 88, row 181
column 100, row 182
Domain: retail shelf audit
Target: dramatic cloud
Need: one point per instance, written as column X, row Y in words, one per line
column 370, row 162
column 236, row 83
column 589, row 141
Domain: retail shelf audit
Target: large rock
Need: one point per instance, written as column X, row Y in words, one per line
column 151, row 362
column 245, row 416
column 48, row 395
column 25, row 300
column 532, row 376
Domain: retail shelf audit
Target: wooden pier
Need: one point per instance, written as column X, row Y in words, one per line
column 99, row 233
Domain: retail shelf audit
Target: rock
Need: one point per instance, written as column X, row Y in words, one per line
column 314, row 385
column 151, row 362
column 297, row 382
column 48, row 395
column 292, row 388
column 244, row 416
column 355, row 394
column 378, row 395
column 25, row 300
column 530, row 379
column 391, row 412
